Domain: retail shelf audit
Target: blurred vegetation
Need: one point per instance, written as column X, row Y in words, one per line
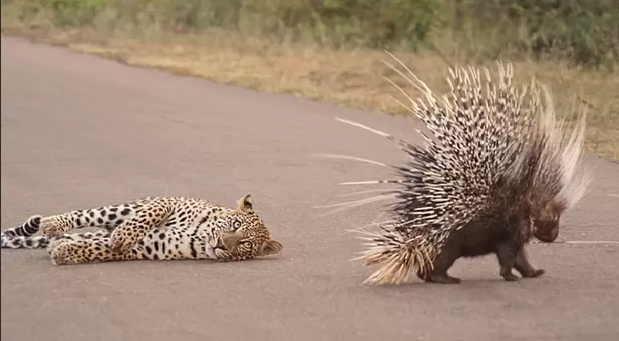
column 583, row 32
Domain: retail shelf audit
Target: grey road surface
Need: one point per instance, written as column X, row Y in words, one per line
column 79, row 131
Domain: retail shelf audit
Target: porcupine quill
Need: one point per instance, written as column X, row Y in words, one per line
column 499, row 171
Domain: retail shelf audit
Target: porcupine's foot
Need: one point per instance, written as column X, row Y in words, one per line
column 438, row 273
column 441, row 279
column 525, row 268
column 533, row 274
column 507, row 255
column 508, row 276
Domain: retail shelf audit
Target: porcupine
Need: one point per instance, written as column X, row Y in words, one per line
column 499, row 171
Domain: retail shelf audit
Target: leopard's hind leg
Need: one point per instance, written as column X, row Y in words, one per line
column 69, row 237
column 104, row 217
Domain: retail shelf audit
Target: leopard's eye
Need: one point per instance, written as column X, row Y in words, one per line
column 247, row 244
column 236, row 224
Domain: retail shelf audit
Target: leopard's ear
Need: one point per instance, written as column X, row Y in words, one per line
column 270, row 247
column 244, row 204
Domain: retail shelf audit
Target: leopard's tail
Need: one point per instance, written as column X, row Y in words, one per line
column 22, row 236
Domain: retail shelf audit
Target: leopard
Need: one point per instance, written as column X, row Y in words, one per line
column 149, row 228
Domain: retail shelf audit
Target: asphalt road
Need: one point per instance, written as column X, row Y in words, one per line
column 79, row 131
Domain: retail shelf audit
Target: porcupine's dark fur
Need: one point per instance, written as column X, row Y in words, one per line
column 498, row 173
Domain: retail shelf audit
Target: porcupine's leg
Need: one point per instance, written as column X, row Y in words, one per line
column 442, row 262
column 507, row 254
column 525, row 268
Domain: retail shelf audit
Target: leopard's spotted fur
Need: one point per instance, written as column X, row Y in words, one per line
column 155, row 228
column 22, row 237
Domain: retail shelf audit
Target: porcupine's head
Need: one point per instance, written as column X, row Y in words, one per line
column 546, row 220
column 560, row 180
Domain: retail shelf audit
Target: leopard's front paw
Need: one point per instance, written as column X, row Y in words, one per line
column 223, row 255
column 122, row 241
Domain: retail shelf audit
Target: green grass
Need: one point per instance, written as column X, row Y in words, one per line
column 311, row 50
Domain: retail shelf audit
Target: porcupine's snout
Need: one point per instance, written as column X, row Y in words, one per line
column 547, row 222
column 546, row 231
column 546, row 216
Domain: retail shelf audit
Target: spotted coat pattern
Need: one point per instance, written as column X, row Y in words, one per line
column 153, row 228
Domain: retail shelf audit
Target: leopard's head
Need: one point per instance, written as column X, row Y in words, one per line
column 244, row 235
